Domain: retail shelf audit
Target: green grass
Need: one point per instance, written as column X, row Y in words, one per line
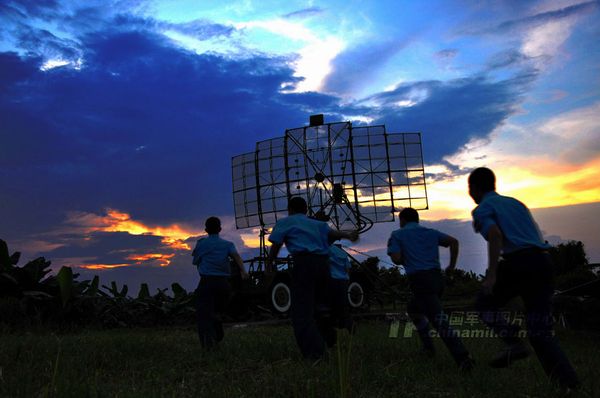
column 264, row 362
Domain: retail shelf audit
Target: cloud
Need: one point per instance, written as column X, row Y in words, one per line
column 72, row 138
column 312, row 61
column 451, row 113
column 542, row 34
column 304, row 13
column 448, row 53
column 354, row 68
column 546, row 17
column 550, row 162
column 508, row 58
column 570, row 138
column 201, row 29
column 23, row 8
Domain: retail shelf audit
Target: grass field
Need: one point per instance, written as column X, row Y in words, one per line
column 264, row 362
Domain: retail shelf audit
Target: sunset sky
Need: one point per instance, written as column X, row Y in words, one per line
column 118, row 119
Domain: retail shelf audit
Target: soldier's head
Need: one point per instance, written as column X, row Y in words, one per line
column 297, row 205
column 212, row 225
column 408, row 214
column 481, row 181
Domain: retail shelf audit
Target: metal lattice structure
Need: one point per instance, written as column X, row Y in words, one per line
column 350, row 176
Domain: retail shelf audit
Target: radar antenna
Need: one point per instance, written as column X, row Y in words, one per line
column 350, row 176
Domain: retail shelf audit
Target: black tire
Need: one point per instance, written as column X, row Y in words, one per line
column 280, row 297
column 356, row 294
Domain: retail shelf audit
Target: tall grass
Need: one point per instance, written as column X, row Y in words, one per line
column 265, row 362
column 344, row 353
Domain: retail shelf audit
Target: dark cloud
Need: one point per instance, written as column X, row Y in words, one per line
column 508, row 58
column 107, row 247
column 446, row 54
column 13, row 69
column 353, row 68
column 304, row 13
column 29, row 8
column 143, row 127
column 201, row 29
column 542, row 18
column 41, row 41
column 537, row 19
column 451, row 113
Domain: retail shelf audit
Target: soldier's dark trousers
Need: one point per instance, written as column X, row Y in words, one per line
column 310, row 274
column 529, row 274
column 338, row 316
column 425, row 308
column 212, row 295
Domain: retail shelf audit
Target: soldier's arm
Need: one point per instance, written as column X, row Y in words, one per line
column 494, row 238
column 397, row 258
column 453, row 244
column 273, row 252
column 240, row 263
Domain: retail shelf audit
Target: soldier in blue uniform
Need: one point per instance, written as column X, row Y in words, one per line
column 339, row 267
column 212, row 256
column 417, row 248
column 307, row 240
column 526, row 271
column 339, row 310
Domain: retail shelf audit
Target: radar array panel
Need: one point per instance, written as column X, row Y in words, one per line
column 350, row 176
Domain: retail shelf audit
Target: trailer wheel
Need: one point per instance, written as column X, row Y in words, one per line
column 356, row 294
column 281, row 297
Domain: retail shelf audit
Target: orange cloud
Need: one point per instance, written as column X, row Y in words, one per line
column 164, row 258
column 103, row 266
column 173, row 235
column 251, row 239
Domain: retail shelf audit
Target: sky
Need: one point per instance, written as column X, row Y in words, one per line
column 118, row 119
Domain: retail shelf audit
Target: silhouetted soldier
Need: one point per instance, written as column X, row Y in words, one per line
column 212, row 256
column 339, row 266
column 526, row 271
column 417, row 248
column 307, row 241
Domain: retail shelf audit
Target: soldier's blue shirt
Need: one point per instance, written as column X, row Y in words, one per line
column 514, row 219
column 212, row 254
column 418, row 245
column 301, row 235
column 339, row 264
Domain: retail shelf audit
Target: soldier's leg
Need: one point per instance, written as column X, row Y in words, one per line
column 429, row 301
column 537, row 295
column 417, row 317
column 222, row 297
column 343, row 309
column 326, row 314
column 488, row 305
column 205, row 313
column 303, row 292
